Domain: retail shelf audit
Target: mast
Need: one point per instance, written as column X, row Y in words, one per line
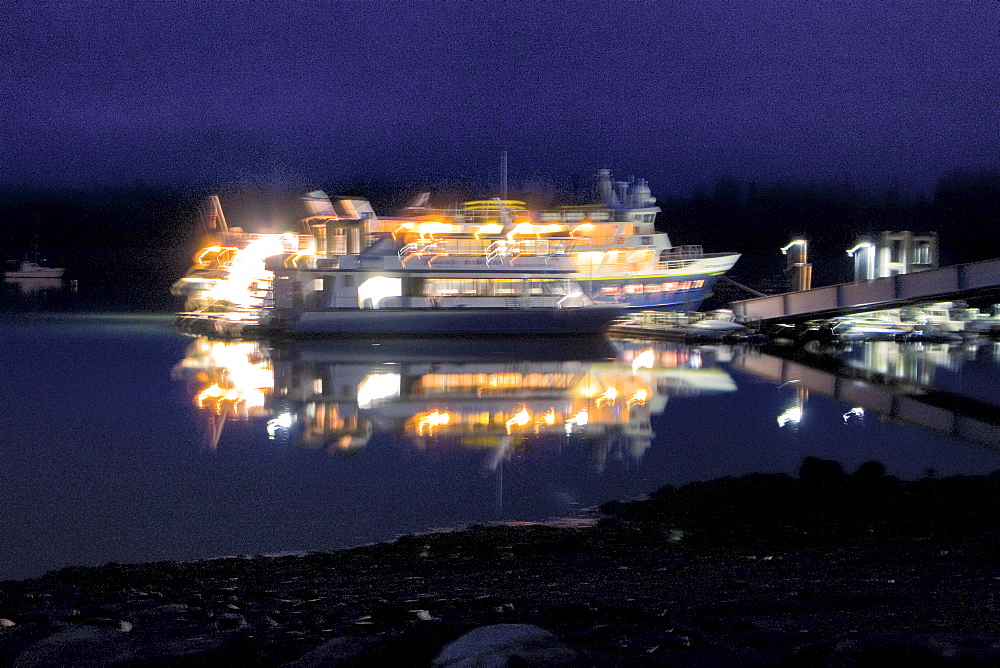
column 504, row 217
column 503, row 176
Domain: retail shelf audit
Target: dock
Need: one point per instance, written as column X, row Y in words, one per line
column 693, row 327
column 954, row 283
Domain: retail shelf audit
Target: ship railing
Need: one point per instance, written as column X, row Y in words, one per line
column 683, row 252
column 415, row 248
column 500, row 250
column 680, row 257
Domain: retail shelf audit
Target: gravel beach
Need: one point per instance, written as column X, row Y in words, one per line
column 823, row 568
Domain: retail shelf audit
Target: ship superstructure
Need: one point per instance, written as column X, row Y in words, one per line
column 613, row 243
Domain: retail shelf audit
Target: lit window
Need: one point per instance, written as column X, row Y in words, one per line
column 506, row 287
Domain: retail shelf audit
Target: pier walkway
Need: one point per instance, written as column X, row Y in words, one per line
column 957, row 282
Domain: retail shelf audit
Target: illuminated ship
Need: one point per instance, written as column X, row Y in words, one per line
column 617, row 253
column 491, row 264
column 409, row 283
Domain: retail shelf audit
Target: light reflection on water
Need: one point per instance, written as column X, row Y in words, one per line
column 502, row 398
column 126, row 441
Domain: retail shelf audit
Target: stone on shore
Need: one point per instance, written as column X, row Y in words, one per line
column 503, row 645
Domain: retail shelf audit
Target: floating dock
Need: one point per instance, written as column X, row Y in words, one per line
column 694, row 327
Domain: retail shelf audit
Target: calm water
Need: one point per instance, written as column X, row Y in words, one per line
column 125, row 441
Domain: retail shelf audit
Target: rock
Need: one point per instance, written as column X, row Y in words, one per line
column 99, row 646
column 871, row 470
column 506, row 645
column 816, row 471
column 80, row 647
column 229, row 621
column 337, row 652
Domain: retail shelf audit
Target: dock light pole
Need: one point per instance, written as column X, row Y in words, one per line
column 798, row 267
column 864, row 261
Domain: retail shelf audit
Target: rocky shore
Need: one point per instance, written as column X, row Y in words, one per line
column 826, row 568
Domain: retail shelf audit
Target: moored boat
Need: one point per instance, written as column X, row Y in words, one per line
column 30, row 269
column 397, row 287
column 608, row 252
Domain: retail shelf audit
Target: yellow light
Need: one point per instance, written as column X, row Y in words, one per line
column 521, row 228
column 431, row 420
column 521, row 418
column 431, row 228
column 583, row 228
column 292, row 261
column 494, row 228
column 219, row 395
column 551, row 229
column 248, row 377
column 608, row 397
column 548, row 418
column 639, row 398
column 589, row 389
column 405, row 227
column 200, row 257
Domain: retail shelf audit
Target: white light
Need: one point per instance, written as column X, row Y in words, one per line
column 281, row 421
column 858, row 412
column 644, row 360
column 247, row 268
column 377, row 386
column 378, row 288
column 793, row 415
column 784, row 250
column 580, row 420
column 866, row 244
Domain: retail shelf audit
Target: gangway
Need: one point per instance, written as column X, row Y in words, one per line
column 957, row 282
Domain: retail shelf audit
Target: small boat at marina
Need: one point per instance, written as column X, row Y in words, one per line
column 30, row 269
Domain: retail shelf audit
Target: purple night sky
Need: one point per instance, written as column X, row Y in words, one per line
column 682, row 92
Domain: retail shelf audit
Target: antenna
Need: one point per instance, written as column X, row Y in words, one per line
column 503, row 175
column 504, row 216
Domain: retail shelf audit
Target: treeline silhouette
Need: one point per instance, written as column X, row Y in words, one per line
column 152, row 232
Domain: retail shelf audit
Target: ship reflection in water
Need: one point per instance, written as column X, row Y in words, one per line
column 503, row 398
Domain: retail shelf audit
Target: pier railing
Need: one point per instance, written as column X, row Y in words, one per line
column 947, row 283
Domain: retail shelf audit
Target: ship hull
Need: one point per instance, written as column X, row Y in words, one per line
column 663, row 293
column 587, row 320
column 36, row 273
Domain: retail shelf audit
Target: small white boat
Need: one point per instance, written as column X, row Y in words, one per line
column 29, row 269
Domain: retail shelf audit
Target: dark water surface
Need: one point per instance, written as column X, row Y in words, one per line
column 126, row 441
